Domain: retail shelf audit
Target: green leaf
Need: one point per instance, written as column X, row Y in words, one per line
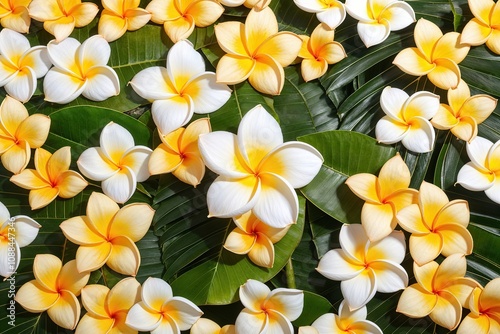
column 314, row 306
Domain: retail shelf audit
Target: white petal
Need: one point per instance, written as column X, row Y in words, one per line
column 249, row 322
column 184, row 62
column 63, row 54
column 13, row 44
column 290, row 302
column 420, row 136
column 473, row 179
column 423, row 104
column 358, row 291
column 59, row 87
column 373, row 33
column 392, row 101
column 121, row 186
column 311, row 6
column 39, row 58
column 392, row 247
column 210, row 94
column 9, row 258
column 4, row 215
column 155, row 292
column 278, row 324
column 335, row 265
column 253, row 293
column 92, row 164
column 151, row 84
column 26, row 230
column 358, row 9
column 402, row 15
column 493, row 192
column 22, row 86
column 356, row 315
column 477, row 150
column 94, row 51
column 140, row 319
column 102, row 83
column 391, row 278
column 166, row 326
column 115, row 140
column 353, row 240
column 333, row 16
column 186, row 312
column 137, row 159
column 171, row 114
column 325, row 324
column 389, row 132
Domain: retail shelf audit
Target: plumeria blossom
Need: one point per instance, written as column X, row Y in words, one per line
column 484, row 305
column 179, row 153
column 60, row 17
column 15, row 232
column 437, row 225
column 407, row 118
column 319, row 51
column 14, row 14
column 484, row 27
column 21, row 65
column 253, row 237
column 377, row 18
column 384, row 196
column 207, row 326
column 107, row 234
column 19, row 133
column 257, row 171
column 329, row 12
column 118, row 16
column 50, row 178
column 365, row 267
column 180, row 17
column 436, row 55
column 482, row 173
column 118, row 162
column 160, row 312
column 256, row 51
column 107, row 308
column 268, row 311
column 440, row 292
column 346, row 322
column 463, row 112
column 80, row 69
column 55, row 289
column 181, row 89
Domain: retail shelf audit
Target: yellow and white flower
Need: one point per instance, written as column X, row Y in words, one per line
column 484, row 27
column 118, row 16
column 329, row 12
column 14, row 14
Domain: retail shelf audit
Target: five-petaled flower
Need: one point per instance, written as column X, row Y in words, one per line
column 256, row 51
column 329, row 12
column 482, row 173
column 15, row 232
column 80, row 69
column 118, row 163
column 319, row 51
column 484, row 27
column 181, row 89
column 377, row 18
column 107, row 234
column 60, row 17
column 107, row 308
column 14, row 14
column 257, row 171
column 437, row 225
column 54, row 290
column 21, row 65
column 365, row 267
column 118, row 16
column 19, row 133
column 407, row 119
column 440, row 292
column 179, row 17
column 436, row 55
column 160, row 312
column 268, row 311
column 253, row 237
column 50, row 178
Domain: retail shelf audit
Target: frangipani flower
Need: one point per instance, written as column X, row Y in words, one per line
column 60, row 17
column 440, row 292
column 21, row 65
column 437, row 226
column 50, row 178
column 482, row 173
column 179, row 153
column 384, row 196
column 377, row 18
column 118, row 16
column 253, row 237
column 179, row 17
column 407, row 119
column 464, row 112
column 257, row 171
column 118, row 163
column 268, row 311
column 329, row 12
column 107, row 309
column 107, row 234
column 181, row 89
column 485, row 26
column 484, row 305
column 207, row 326
column 436, row 55
column 54, row 290
column 160, row 312
column 365, row 267
column 319, row 51
column 16, row 232
column 80, row 69
column 256, row 51
column 19, row 133
column 14, row 15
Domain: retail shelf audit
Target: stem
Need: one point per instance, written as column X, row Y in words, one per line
column 290, row 275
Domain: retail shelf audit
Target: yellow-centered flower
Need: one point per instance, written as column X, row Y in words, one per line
column 485, row 26
column 118, row 16
column 14, row 15
column 329, row 12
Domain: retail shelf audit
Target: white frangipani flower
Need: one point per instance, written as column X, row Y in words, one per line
column 21, row 65
column 80, row 69
column 118, row 163
column 181, row 89
column 482, row 173
column 329, row 12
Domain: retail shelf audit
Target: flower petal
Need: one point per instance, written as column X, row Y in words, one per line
column 132, row 221
column 378, row 220
column 394, row 175
column 453, row 266
column 233, row 69
column 63, row 54
column 16, row 158
column 207, row 95
column 230, row 37
column 474, row 179
column 391, row 248
column 335, row 265
column 94, row 299
column 239, row 241
column 282, row 47
column 141, row 319
column 34, row 297
column 493, row 192
column 410, row 219
column 171, row 114
column 446, row 74
column 163, row 160
column 388, row 131
column 184, row 63
column 92, row 257
column 137, row 159
column 191, row 171
column 90, row 323
column 84, row 13
column 462, row 288
column 399, row 14
column 262, row 252
column 182, row 311
column 152, row 83
column 449, row 47
column 94, row 164
column 39, row 198
column 59, row 87
column 312, row 68
column 425, row 247
column 10, row 255
column 278, row 323
column 288, row 302
column 268, row 76
column 111, row 26
column 100, row 212
column 124, row 295
column 413, row 62
column 333, row 16
column 102, row 83
column 475, row 32
column 353, row 240
column 489, row 297
column 252, row 294
column 23, row 85
column 454, row 212
column 205, row 326
column 474, row 325
column 425, row 274
column 431, row 200
column 415, row 302
column 79, row 231
column 358, row 291
column 124, row 257
column 70, row 183
column 155, row 292
column 251, row 322
column 228, row 198
column 26, row 230
column 179, row 28
column 447, row 312
column 391, row 277
column 121, row 186
column 61, row 28
column 34, row 130
column 421, row 104
column 364, row 185
column 259, row 25
column 373, row 33
column 70, row 279
column 420, row 136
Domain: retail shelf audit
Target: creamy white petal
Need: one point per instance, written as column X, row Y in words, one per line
column 22, row 86
column 278, row 323
column 392, row 101
column 288, row 302
column 59, row 87
column 102, row 83
column 13, row 44
column 392, row 248
column 311, row 6
column 249, row 322
column 333, row 16
column 493, row 192
column 152, row 84
column 4, row 215
column 155, row 292
column 140, row 319
column 114, row 141
column 402, row 15
column 477, row 150
column 253, row 293
column 171, row 114
column 373, row 33
column 420, row 136
column 137, row 159
column 121, row 186
column 186, row 312
column 92, row 164
column 63, row 54
column 94, row 51
column 335, row 265
column 26, row 230
column 389, row 132
column 39, row 60
column 391, row 277
column 474, row 179
column 10, row 256
column 184, row 62
column 210, row 95
column 353, row 240
column 358, row 9
column 423, row 104
column 358, row 291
